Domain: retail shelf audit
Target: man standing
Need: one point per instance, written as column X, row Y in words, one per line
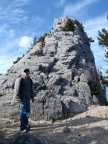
column 24, row 93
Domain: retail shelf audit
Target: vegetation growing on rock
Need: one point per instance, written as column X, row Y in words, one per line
column 103, row 39
column 69, row 26
column 17, row 60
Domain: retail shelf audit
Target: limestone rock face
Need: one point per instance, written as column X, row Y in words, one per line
column 63, row 71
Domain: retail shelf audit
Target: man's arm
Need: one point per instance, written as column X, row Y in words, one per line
column 17, row 88
column 32, row 91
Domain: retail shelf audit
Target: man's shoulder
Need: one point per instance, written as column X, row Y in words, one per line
column 18, row 80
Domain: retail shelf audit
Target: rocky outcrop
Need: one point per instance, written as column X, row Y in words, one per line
column 63, row 71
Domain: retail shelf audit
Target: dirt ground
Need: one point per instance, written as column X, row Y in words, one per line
column 81, row 129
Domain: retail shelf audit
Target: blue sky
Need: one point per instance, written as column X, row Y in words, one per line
column 21, row 20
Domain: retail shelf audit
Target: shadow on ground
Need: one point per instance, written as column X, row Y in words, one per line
column 95, row 135
column 22, row 138
column 49, row 134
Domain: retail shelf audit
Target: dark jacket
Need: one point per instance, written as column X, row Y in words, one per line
column 24, row 88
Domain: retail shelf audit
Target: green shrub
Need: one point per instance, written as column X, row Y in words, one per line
column 18, row 58
column 42, row 39
column 80, row 25
column 97, row 90
column 70, row 26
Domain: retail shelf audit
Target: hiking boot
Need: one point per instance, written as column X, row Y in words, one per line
column 28, row 129
column 22, row 130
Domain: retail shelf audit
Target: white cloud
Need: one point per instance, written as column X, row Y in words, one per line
column 12, row 48
column 13, row 16
column 75, row 9
column 25, row 42
column 13, row 13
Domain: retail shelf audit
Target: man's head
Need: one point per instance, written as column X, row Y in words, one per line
column 27, row 72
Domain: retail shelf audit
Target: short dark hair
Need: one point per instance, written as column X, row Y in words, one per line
column 26, row 70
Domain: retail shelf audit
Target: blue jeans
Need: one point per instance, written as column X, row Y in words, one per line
column 24, row 113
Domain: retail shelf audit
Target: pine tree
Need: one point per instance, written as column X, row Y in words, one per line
column 103, row 39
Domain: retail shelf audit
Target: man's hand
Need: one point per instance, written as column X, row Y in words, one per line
column 32, row 100
column 17, row 99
